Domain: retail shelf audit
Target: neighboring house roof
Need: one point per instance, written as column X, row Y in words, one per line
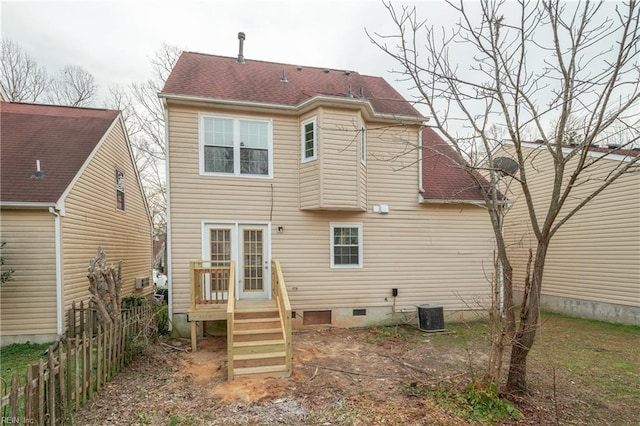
column 222, row 78
column 62, row 138
column 443, row 179
column 611, row 152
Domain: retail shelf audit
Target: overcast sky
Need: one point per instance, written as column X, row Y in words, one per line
column 113, row 40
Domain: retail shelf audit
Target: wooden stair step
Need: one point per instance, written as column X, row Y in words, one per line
column 257, row 331
column 260, row 359
column 258, row 343
column 257, row 337
column 261, row 355
column 265, row 308
column 261, row 325
column 255, row 347
column 256, row 320
column 260, row 315
column 264, row 370
column 257, row 308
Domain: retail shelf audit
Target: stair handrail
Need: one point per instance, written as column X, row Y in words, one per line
column 231, row 306
column 284, row 306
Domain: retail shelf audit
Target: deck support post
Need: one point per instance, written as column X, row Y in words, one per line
column 194, row 336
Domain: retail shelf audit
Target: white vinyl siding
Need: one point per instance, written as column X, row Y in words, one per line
column 28, row 301
column 346, row 245
column 89, row 224
column 430, row 253
column 236, row 146
column 595, row 256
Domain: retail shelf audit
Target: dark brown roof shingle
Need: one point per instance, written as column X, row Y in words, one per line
column 223, row 78
column 442, row 177
column 60, row 137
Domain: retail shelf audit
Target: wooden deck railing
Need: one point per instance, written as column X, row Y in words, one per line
column 279, row 293
column 231, row 306
column 210, row 282
column 212, row 287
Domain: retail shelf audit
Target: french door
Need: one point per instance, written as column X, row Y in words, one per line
column 249, row 246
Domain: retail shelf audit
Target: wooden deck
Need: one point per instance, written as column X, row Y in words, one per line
column 258, row 331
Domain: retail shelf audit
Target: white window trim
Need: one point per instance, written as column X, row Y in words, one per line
column 358, row 225
column 313, row 120
column 363, row 144
column 236, row 145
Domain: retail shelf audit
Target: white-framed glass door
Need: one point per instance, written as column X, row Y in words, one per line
column 254, row 274
column 218, row 253
column 248, row 245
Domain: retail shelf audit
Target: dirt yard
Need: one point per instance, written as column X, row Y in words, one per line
column 368, row 377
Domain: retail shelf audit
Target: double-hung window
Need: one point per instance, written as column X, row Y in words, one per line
column 346, row 245
column 236, row 146
column 363, row 145
column 120, row 186
column 309, row 147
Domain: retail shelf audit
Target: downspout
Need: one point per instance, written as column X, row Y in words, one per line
column 58, row 244
column 504, row 208
column 420, row 148
column 168, row 212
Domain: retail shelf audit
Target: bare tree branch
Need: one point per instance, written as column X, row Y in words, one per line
column 143, row 114
column 72, row 86
column 563, row 75
column 21, row 78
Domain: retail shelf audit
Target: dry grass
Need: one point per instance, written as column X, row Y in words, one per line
column 581, row 372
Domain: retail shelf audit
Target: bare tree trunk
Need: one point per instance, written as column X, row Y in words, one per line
column 529, row 316
column 105, row 286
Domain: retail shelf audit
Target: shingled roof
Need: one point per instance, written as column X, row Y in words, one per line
column 222, row 78
column 62, row 138
column 443, row 180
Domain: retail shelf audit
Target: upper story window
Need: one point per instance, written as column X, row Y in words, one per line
column 236, row 146
column 309, row 133
column 120, row 190
column 346, row 245
column 363, row 145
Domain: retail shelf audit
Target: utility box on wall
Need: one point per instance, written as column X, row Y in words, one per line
column 142, row 282
column 431, row 317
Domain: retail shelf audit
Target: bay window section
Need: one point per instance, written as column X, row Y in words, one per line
column 236, row 147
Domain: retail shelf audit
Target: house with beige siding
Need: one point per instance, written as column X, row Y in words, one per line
column 592, row 268
column 68, row 186
column 301, row 196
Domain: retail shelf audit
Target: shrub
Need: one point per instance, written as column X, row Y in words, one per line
column 162, row 318
column 133, row 300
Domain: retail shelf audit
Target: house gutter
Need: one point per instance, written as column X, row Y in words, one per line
column 58, row 243
column 423, row 200
column 168, row 212
column 24, row 205
column 420, row 155
column 300, row 108
column 569, row 149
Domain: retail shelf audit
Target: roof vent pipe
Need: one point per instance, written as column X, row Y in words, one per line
column 39, row 174
column 241, row 38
